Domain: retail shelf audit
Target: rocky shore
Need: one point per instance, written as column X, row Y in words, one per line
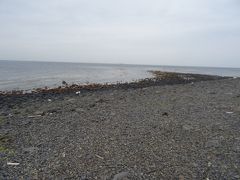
column 174, row 126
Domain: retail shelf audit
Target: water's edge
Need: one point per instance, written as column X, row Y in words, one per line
column 23, row 75
column 159, row 78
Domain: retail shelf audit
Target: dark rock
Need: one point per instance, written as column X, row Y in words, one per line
column 4, row 114
column 165, row 114
column 64, row 83
column 92, row 105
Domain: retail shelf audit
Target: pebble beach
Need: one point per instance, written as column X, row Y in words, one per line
column 187, row 130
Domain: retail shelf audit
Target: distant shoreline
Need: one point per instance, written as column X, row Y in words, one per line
column 123, row 64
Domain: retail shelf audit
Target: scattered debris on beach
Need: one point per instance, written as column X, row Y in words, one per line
column 138, row 130
column 13, row 164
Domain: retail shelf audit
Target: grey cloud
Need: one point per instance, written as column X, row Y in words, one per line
column 174, row 32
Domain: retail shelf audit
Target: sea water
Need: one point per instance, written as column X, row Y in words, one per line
column 26, row 75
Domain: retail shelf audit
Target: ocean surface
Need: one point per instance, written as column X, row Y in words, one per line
column 23, row 75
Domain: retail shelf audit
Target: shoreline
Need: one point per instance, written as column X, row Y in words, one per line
column 159, row 78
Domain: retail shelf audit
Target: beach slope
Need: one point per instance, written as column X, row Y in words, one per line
column 182, row 131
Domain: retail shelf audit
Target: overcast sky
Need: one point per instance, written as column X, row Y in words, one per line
column 164, row 32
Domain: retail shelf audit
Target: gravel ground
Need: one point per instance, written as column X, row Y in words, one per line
column 186, row 131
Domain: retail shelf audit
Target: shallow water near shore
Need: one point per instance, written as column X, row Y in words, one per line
column 23, row 75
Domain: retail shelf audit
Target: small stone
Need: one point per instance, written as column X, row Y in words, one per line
column 92, row 105
column 120, row 175
column 181, row 177
column 34, row 116
column 78, row 92
column 4, row 114
column 165, row 114
column 64, row 83
column 195, row 164
column 26, row 122
column 237, row 177
column 187, row 127
column 100, row 100
column 30, row 150
column 112, row 114
column 41, row 113
column 79, row 110
column 213, row 143
column 100, row 157
column 53, row 110
column 71, row 100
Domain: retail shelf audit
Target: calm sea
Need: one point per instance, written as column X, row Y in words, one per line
column 23, row 75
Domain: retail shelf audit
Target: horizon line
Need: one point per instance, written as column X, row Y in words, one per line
column 131, row 64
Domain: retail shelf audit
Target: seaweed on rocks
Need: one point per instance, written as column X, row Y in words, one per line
column 159, row 78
